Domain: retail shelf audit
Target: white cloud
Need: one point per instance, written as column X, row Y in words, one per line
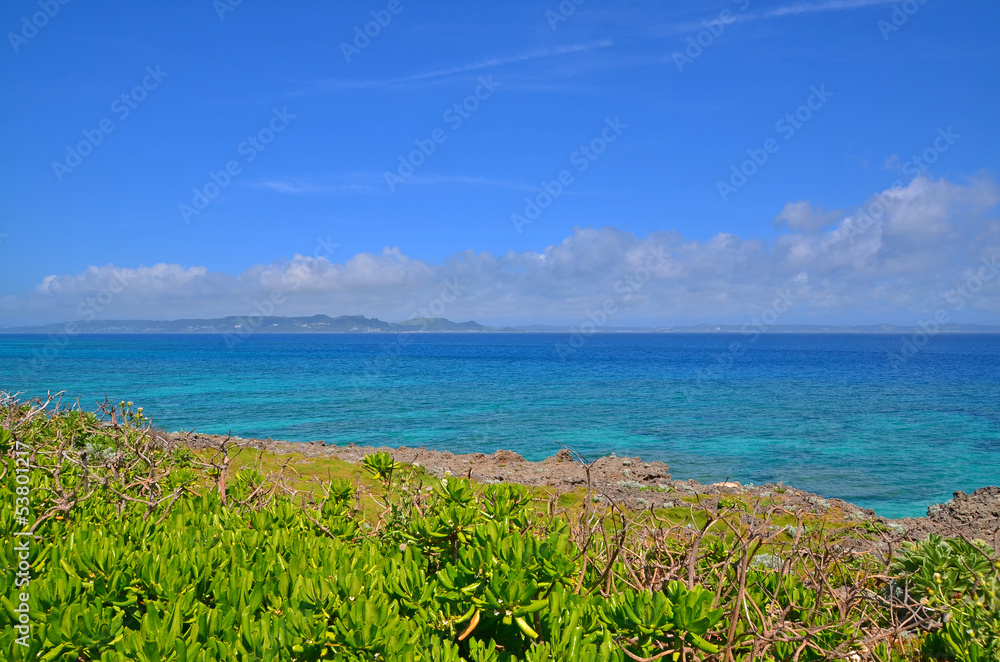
column 328, row 85
column 803, row 217
column 792, row 9
column 363, row 183
column 799, row 8
column 294, row 186
column 160, row 278
column 889, row 260
column 490, row 63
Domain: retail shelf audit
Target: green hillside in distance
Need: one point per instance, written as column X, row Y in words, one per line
column 362, row 324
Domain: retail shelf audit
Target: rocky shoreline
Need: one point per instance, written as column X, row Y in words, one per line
column 631, row 482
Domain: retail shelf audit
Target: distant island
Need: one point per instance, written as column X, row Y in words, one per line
column 361, row 324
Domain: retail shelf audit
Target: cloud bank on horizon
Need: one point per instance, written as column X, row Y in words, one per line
column 697, row 161
column 897, row 257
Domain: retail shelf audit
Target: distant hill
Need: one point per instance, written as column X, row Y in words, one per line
column 361, row 324
column 437, row 324
column 827, row 328
column 232, row 324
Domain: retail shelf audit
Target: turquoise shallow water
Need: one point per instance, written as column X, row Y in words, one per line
column 830, row 414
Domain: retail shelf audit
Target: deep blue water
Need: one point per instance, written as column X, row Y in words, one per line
column 827, row 413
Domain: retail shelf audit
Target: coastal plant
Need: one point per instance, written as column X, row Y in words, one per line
column 380, row 465
column 507, row 504
column 340, row 494
column 173, row 553
column 957, row 585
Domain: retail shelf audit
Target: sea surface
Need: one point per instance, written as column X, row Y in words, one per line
column 845, row 416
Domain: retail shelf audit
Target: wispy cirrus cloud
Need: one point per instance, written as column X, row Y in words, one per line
column 491, row 63
column 799, row 8
column 365, row 183
column 436, row 75
column 297, row 186
column 430, row 179
column 783, row 11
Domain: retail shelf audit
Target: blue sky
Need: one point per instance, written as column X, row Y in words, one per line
column 310, row 118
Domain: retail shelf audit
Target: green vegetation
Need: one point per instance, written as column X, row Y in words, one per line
column 142, row 550
column 958, row 584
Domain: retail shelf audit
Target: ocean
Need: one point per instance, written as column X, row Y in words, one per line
column 851, row 416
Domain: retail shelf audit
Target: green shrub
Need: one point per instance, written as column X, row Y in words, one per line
column 175, row 555
column 957, row 582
